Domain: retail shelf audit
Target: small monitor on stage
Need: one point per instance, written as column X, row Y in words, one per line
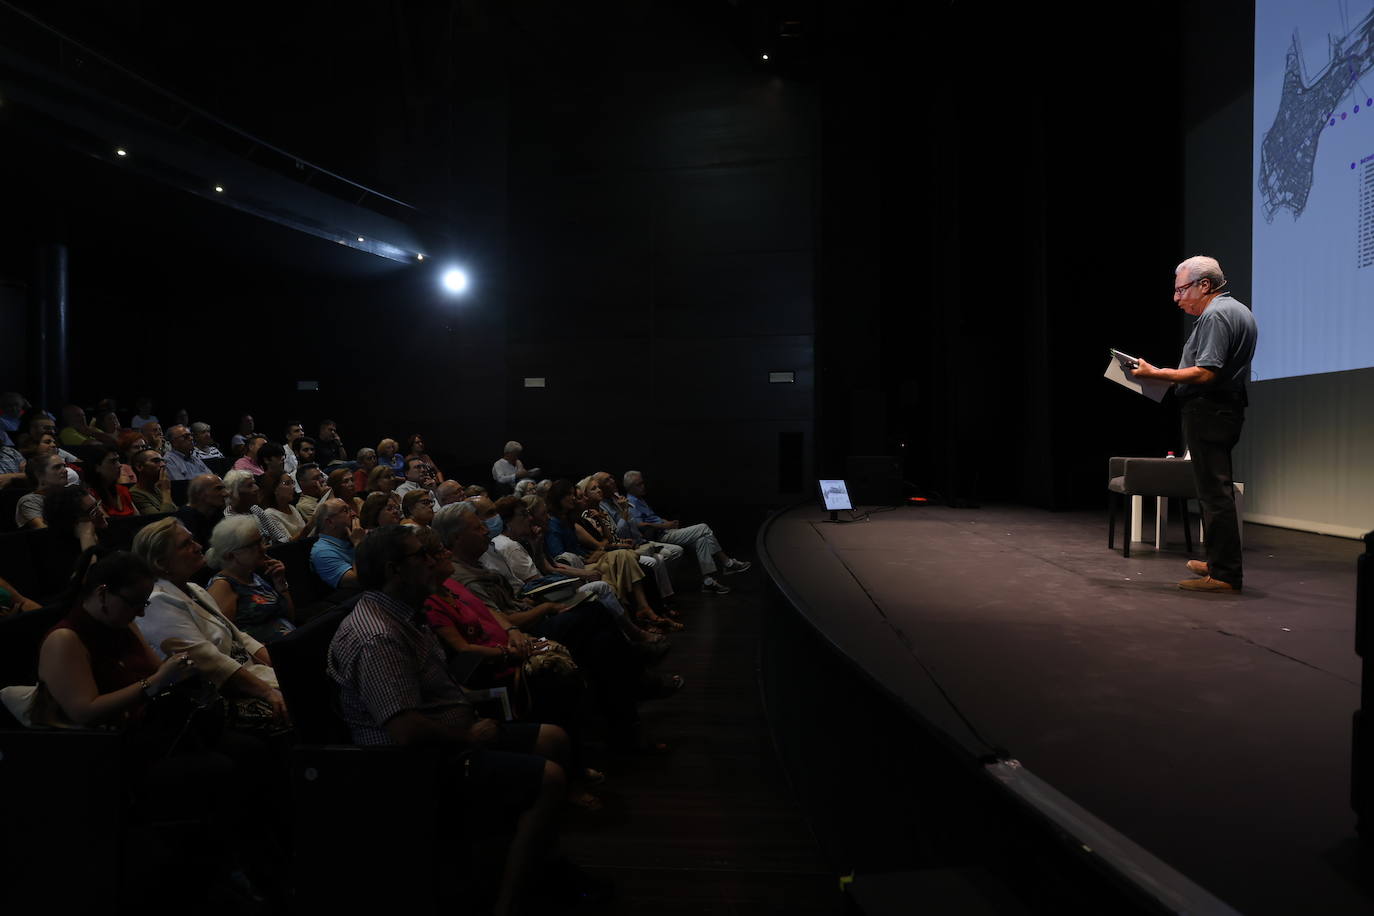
column 835, row 494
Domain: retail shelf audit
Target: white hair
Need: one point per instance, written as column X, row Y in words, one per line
column 234, row 480
column 513, row 446
column 449, row 520
column 524, row 486
column 1202, row 267
column 631, row 478
column 234, row 533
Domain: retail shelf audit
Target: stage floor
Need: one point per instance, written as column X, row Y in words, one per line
column 1214, row 731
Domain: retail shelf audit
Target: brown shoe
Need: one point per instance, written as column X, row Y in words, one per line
column 1198, row 566
column 1207, row 585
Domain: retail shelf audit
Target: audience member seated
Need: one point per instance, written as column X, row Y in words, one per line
column 596, row 529
column 415, row 448
column 312, row 485
column 183, row 617
column 12, row 407
column 152, row 432
column 329, row 447
column 48, row 473
column 382, row 479
column 77, row 521
column 205, row 442
column 343, row 484
column 238, row 443
column 272, row 457
column 417, row 508
column 244, row 498
column 509, row 557
column 12, row 602
column 76, row 431
column 106, row 427
column 594, row 638
column 418, row 476
column 114, row 497
column 204, row 509
column 332, row 555
column 362, row 474
column 449, row 492
column 700, row 539
column 564, row 549
column 388, row 455
column 12, row 464
column 153, row 492
column 130, row 443
column 380, row 510
column 278, row 501
column 395, row 690
column 250, row 587
column 509, row 468
column 252, row 444
column 182, row 463
column 143, row 413
column 301, row 453
column 294, row 430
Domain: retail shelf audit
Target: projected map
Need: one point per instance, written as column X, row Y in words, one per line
column 1312, row 156
column 1289, row 150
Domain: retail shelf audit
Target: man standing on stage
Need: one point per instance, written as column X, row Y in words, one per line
column 1211, row 389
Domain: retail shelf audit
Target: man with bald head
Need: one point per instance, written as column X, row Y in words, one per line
column 1210, row 385
column 204, row 507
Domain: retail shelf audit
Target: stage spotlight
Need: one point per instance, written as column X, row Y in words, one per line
column 419, row 257
column 219, row 189
column 455, row 280
column 765, row 57
column 121, row 151
column 360, row 238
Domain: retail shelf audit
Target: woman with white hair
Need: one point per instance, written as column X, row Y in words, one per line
column 244, row 496
column 250, row 587
column 183, row 617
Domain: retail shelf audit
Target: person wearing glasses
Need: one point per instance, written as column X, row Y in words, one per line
column 250, row 587
column 1210, row 383
column 153, row 492
column 182, row 463
column 419, row 476
column 183, row 617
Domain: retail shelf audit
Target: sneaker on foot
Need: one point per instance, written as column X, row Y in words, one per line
column 737, row 566
column 716, row 588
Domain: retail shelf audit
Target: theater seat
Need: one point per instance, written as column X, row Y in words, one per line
column 364, row 797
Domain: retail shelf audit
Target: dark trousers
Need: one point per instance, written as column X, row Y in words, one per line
column 1211, row 428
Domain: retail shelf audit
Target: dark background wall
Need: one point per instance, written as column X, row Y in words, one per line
column 939, row 220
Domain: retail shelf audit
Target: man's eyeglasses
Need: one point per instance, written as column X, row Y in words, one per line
column 1180, row 290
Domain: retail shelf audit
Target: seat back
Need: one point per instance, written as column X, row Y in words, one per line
column 1172, row 477
column 299, row 659
column 20, row 636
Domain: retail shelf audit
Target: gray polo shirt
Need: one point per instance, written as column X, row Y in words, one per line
column 1223, row 340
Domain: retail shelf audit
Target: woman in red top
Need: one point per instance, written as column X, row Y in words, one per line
column 95, row 662
column 114, row 497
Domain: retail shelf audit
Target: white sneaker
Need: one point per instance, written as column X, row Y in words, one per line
column 716, row 588
column 737, row 566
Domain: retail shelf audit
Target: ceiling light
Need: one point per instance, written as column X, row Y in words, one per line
column 121, row 151
column 455, row 280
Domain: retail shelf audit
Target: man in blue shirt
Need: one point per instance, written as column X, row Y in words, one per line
column 331, row 557
column 1211, row 384
column 699, row 538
